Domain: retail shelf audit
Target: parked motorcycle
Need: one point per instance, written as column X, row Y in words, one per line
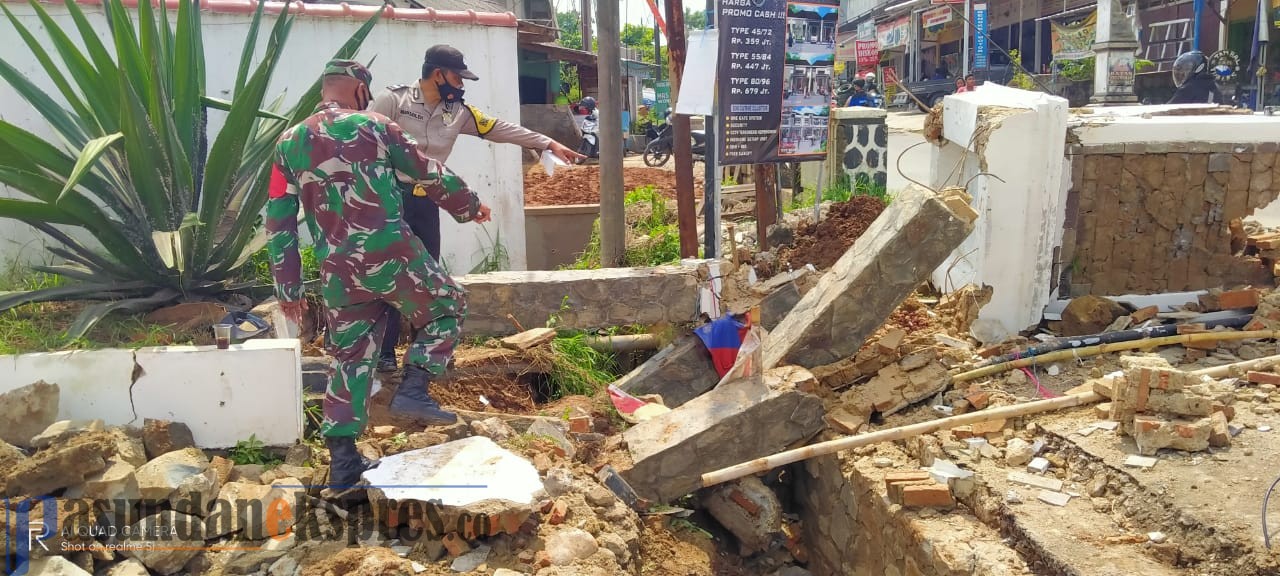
column 590, row 145
column 661, row 144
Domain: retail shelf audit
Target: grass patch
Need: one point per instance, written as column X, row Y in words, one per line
column 258, row 268
column 578, row 369
column 842, row 190
column 494, row 256
column 42, row 327
column 653, row 236
column 251, row 451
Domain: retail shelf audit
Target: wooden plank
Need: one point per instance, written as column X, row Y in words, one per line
column 529, row 339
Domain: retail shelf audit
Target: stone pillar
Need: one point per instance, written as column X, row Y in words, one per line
column 1115, row 47
column 862, row 143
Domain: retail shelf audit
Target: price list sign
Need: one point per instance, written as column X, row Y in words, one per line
column 775, row 79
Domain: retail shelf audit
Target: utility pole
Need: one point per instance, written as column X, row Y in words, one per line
column 612, row 214
column 657, row 50
column 711, row 182
column 586, row 26
column 964, row 53
column 686, row 208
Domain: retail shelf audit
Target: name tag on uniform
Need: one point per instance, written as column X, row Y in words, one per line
column 411, row 114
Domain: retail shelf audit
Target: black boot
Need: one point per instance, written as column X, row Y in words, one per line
column 346, row 464
column 413, row 401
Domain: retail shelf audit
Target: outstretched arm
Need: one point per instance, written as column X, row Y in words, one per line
column 504, row 132
column 442, row 185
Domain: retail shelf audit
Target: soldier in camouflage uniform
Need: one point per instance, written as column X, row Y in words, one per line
column 346, row 166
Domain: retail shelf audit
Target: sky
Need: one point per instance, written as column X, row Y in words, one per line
column 633, row 11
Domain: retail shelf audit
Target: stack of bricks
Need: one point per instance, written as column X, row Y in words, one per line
column 1267, row 247
column 917, row 490
column 1162, row 407
column 1148, row 218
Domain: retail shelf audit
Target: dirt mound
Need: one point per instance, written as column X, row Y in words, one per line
column 581, row 184
column 370, row 561
column 824, row 243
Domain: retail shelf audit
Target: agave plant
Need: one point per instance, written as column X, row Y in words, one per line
column 173, row 217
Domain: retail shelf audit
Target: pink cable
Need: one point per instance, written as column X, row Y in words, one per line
column 1044, row 392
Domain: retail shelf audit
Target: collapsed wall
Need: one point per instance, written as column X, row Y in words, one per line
column 1152, row 198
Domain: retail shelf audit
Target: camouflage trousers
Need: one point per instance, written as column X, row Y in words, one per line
column 435, row 307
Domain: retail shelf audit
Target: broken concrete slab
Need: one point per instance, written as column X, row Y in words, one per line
column 748, row 509
column 671, row 451
column 63, row 430
column 556, row 433
column 468, row 476
column 582, row 299
column 679, row 373
column 27, row 411
column 54, row 566
column 900, row 249
column 116, row 482
column 230, row 513
column 60, row 466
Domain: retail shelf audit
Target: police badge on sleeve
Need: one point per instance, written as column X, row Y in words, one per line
column 484, row 123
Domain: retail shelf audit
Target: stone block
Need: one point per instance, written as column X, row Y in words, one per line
column 63, row 430
column 679, row 373
column 59, row 467
column 162, row 436
column 581, row 299
column 900, row 249
column 670, row 452
column 1219, row 433
column 1151, row 433
column 27, row 411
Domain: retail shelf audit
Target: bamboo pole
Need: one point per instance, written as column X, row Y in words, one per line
column 1087, row 351
column 1238, row 367
column 892, row 434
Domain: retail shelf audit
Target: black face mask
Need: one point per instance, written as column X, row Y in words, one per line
column 449, row 93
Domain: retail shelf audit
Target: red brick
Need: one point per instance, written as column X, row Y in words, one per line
column 1219, row 435
column 558, row 512
column 542, row 559
column 1143, row 314
column 1203, row 345
column 1147, row 423
column 1192, row 328
column 927, row 495
column 989, row 427
column 1238, row 299
column 580, row 424
column 962, row 432
column 898, row 477
column 1226, row 410
column 979, row 400
column 1255, row 324
column 455, row 544
column 741, row 500
column 1263, row 378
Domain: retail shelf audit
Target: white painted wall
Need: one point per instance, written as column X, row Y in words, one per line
column 224, row 396
column 1020, row 219
column 493, row 170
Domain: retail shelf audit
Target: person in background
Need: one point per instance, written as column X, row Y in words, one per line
column 1194, row 81
column 432, row 111
column 345, row 166
column 970, row 83
column 960, row 86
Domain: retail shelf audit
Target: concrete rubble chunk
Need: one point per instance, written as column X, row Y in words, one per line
column 116, row 482
column 570, row 544
column 10, row 453
column 63, row 430
column 506, row 487
column 54, row 566
column 556, row 434
column 60, row 466
column 129, row 567
column 679, row 373
column 671, row 451
column 162, row 436
column 196, row 493
column 748, row 509
column 900, row 249
column 27, row 411
column 228, row 514
column 159, row 478
column 471, row 560
column 1089, row 315
column 183, row 537
column 129, row 445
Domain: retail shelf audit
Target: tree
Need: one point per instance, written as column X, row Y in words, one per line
column 695, row 19
column 570, row 25
column 640, row 38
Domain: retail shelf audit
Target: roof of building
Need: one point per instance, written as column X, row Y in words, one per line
column 344, row 10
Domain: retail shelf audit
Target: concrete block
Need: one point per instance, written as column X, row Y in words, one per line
column 670, row 452
column 581, row 299
column 1152, row 433
column 679, row 373
column 224, row 396
column 899, row 250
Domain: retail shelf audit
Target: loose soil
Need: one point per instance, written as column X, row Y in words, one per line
column 823, row 244
column 581, row 184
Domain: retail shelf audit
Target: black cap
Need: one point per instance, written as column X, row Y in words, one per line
column 445, row 56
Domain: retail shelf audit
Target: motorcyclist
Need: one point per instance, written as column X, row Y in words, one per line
column 870, row 80
column 1195, row 84
column 859, row 95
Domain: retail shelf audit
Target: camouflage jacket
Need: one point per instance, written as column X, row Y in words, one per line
column 346, row 168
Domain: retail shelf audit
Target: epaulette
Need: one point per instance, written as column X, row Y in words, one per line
column 398, row 87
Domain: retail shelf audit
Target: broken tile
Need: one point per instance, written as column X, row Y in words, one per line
column 1038, row 465
column 1136, row 461
column 1036, row 481
column 1055, row 498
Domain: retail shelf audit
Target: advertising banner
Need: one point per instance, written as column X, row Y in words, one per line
column 935, row 17
column 775, row 79
column 979, row 36
column 1074, row 42
column 893, row 34
column 868, row 55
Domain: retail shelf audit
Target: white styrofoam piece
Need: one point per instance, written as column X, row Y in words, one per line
column 224, row 396
column 458, row 473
